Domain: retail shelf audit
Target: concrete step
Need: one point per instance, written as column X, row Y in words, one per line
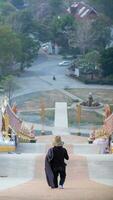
column 31, row 148
column 101, row 168
column 41, row 148
column 86, row 149
column 17, row 165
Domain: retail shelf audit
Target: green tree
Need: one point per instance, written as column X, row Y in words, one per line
column 9, row 85
column 101, row 33
column 89, row 62
column 81, row 37
column 6, row 9
column 24, row 20
column 61, row 27
column 106, row 61
column 56, row 6
column 10, row 48
column 91, row 35
column 18, row 3
column 92, row 59
column 29, row 51
column 104, row 6
column 92, row 62
column 62, row 23
column 44, row 31
column 24, row 23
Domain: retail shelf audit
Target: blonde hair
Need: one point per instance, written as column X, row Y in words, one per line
column 101, row 133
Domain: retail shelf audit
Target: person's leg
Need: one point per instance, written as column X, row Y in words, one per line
column 62, row 176
column 55, row 172
column 109, row 143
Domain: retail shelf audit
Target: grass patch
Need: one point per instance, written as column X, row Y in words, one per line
column 87, row 118
column 33, row 100
column 104, row 96
column 35, row 117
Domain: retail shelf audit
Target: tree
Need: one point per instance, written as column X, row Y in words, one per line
column 18, row 3
column 91, row 35
column 81, row 37
column 24, row 20
column 9, row 86
column 101, row 33
column 106, row 62
column 6, row 9
column 40, row 9
column 104, row 6
column 41, row 31
column 92, row 59
column 56, row 6
column 29, row 52
column 10, row 48
column 24, row 23
column 61, row 27
column 89, row 62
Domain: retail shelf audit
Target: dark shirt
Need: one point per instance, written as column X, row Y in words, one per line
column 59, row 154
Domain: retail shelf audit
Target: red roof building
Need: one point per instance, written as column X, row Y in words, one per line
column 82, row 11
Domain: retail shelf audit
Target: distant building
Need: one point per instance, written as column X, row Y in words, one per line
column 80, row 10
column 50, row 48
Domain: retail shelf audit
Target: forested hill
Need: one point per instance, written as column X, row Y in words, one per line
column 26, row 24
column 41, row 5
column 103, row 6
column 44, row 8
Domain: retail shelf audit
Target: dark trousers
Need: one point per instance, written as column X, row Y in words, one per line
column 59, row 171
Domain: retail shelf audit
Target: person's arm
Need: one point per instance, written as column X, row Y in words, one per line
column 66, row 154
column 50, row 154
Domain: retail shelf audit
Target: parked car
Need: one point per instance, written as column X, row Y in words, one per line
column 65, row 63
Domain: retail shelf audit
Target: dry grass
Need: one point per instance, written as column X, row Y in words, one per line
column 34, row 101
column 87, row 118
column 102, row 95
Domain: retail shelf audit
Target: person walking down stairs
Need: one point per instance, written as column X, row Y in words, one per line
column 55, row 165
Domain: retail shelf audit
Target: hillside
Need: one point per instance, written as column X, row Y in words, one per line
column 6, row 7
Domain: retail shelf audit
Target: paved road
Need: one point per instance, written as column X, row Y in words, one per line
column 39, row 77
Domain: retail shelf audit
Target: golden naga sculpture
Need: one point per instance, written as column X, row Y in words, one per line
column 11, row 121
column 107, row 111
